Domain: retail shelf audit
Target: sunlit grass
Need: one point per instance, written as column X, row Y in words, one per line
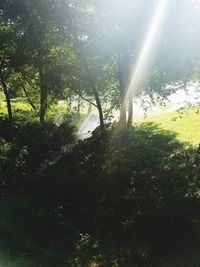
column 18, row 106
column 185, row 122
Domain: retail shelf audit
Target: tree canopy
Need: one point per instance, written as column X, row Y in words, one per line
column 54, row 50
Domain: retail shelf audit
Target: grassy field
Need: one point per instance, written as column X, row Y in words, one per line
column 186, row 122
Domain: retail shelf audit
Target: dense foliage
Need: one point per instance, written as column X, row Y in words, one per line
column 87, row 50
column 117, row 202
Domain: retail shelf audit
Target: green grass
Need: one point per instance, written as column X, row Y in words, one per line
column 185, row 122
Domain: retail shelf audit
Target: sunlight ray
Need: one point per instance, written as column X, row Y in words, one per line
column 148, row 49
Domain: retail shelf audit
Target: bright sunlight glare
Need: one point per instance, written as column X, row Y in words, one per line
column 148, row 49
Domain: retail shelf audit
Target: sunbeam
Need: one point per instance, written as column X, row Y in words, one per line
column 149, row 48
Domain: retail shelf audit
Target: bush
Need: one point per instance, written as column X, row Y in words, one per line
column 26, row 147
column 136, row 195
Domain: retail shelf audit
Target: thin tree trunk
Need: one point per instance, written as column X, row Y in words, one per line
column 79, row 105
column 130, row 112
column 92, row 85
column 97, row 99
column 123, row 78
column 122, row 86
column 122, row 119
column 100, row 111
column 27, row 96
column 7, row 95
column 43, row 96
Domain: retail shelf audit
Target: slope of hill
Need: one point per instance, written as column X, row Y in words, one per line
column 186, row 122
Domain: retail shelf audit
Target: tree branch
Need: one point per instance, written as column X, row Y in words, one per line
column 87, row 100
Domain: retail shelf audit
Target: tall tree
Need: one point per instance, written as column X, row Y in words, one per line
column 8, row 45
column 37, row 23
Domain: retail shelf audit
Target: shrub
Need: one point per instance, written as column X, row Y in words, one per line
column 26, row 147
column 136, row 195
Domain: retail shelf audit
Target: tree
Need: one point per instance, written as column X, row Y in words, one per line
column 121, row 29
column 91, row 49
column 40, row 42
column 8, row 45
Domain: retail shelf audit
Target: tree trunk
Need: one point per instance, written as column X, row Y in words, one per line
column 97, row 99
column 27, row 96
column 92, row 84
column 100, row 111
column 79, row 105
column 130, row 112
column 43, row 96
column 122, row 86
column 122, row 119
column 7, row 95
column 123, row 78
